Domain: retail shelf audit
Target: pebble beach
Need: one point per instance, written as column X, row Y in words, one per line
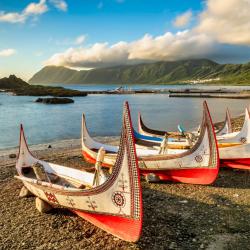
column 176, row 216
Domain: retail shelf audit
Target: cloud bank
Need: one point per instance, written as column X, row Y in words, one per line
column 219, row 24
column 168, row 46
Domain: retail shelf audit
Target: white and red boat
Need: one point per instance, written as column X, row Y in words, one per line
column 115, row 204
column 146, row 131
column 198, row 165
column 234, row 138
column 234, row 148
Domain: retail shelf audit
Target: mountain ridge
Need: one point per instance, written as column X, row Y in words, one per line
column 183, row 71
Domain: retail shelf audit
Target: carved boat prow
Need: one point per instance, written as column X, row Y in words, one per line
column 115, row 205
column 227, row 125
column 145, row 130
column 242, row 136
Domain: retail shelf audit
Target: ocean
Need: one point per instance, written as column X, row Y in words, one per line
column 47, row 123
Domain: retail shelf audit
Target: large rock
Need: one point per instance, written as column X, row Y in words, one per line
column 55, row 100
column 12, row 156
column 12, row 82
column 152, row 178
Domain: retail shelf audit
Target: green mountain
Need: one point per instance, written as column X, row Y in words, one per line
column 185, row 71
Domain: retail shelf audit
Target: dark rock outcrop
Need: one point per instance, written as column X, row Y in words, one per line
column 55, row 100
column 19, row 87
column 12, row 82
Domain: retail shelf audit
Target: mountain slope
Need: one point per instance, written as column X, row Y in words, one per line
column 158, row 72
column 52, row 74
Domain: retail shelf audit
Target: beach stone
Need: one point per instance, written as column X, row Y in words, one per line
column 12, row 156
column 24, row 192
column 152, row 178
column 172, row 245
column 183, row 201
column 49, row 146
column 42, row 206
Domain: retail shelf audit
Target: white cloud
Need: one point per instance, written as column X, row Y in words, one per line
column 60, row 4
column 183, row 20
column 169, row 46
column 80, row 39
column 99, row 54
column 31, row 10
column 12, row 17
column 227, row 21
column 36, row 8
column 7, row 52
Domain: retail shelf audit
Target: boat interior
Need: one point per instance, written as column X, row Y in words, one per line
column 38, row 172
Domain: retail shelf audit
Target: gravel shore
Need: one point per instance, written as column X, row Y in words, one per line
column 176, row 216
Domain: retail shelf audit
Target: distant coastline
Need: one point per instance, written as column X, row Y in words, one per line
column 17, row 86
column 193, row 71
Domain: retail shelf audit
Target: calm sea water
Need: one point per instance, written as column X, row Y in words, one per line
column 47, row 123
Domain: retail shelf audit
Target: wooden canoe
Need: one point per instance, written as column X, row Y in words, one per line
column 234, row 150
column 145, row 130
column 198, row 165
column 115, row 205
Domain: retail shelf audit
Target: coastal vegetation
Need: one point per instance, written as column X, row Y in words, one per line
column 202, row 71
column 17, row 86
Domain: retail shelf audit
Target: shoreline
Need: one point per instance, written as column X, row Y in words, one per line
column 179, row 83
column 58, row 149
column 73, row 146
column 191, row 90
column 57, row 144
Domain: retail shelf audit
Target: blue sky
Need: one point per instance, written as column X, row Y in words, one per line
column 101, row 33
